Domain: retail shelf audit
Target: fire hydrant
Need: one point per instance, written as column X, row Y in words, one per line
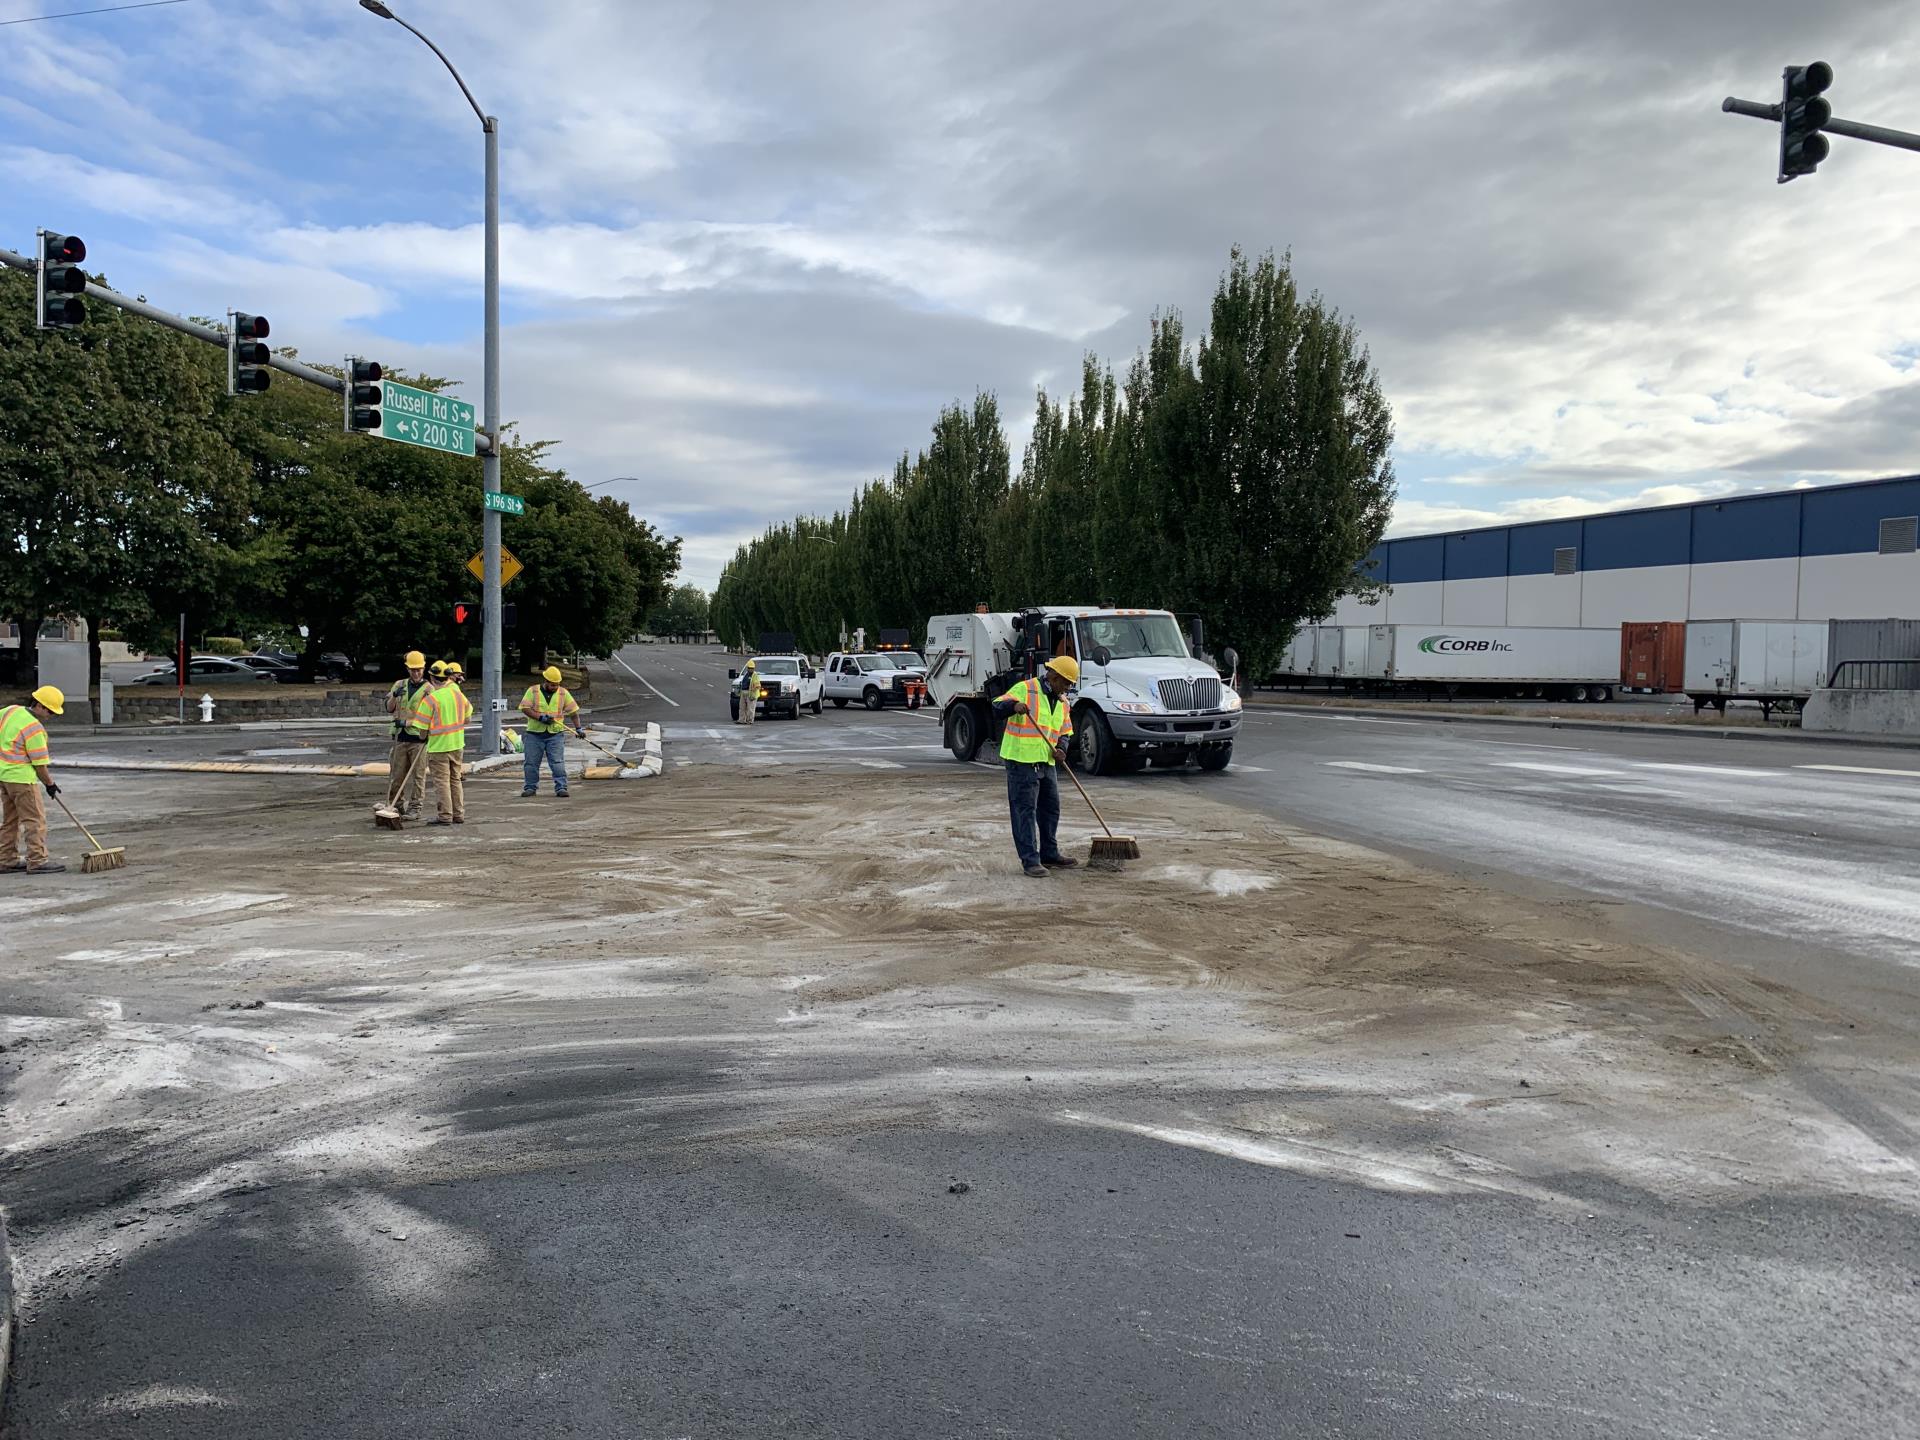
column 206, row 709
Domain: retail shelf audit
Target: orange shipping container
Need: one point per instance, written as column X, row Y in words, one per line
column 1653, row 656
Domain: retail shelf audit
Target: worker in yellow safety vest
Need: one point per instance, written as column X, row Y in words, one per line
column 23, row 767
column 444, row 711
column 407, row 760
column 749, row 692
column 1038, row 728
column 548, row 707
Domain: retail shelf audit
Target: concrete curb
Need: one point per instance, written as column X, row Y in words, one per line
column 372, row 768
column 1618, row 727
column 649, row 762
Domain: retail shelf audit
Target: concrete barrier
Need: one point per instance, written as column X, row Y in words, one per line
column 1863, row 712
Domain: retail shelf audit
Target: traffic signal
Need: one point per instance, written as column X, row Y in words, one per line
column 363, row 394
column 1802, row 114
column 59, row 282
column 246, row 356
column 463, row 612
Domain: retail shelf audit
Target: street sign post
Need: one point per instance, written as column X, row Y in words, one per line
column 510, row 565
column 505, row 504
column 420, row 417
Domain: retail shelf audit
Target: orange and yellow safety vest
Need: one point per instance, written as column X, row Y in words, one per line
column 550, row 712
column 23, row 745
column 444, row 711
column 1036, row 727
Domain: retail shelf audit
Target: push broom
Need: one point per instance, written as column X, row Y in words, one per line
column 101, row 858
column 1109, row 850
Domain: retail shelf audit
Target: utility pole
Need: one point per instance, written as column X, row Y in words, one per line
column 492, row 703
column 1805, row 119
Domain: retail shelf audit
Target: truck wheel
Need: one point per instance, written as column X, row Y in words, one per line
column 733, row 708
column 839, row 702
column 816, row 707
column 873, row 699
column 1579, row 694
column 964, row 732
column 1216, row 758
column 1600, row 694
column 1095, row 741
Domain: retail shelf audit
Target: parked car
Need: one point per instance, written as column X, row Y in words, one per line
column 206, row 670
column 270, row 668
column 788, row 684
column 874, row 680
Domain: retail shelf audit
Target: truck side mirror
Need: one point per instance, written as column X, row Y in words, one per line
column 1197, row 632
column 733, row 674
column 1102, row 656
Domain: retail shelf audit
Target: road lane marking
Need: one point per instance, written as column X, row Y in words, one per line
column 1546, row 769
column 1376, row 769
column 1732, row 770
column 1309, row 715
column 883, row 764
column 1863, row 770
column 644, row 681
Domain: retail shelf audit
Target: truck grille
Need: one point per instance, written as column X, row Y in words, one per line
column 1190, row 694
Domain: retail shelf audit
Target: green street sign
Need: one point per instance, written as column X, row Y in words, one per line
column 505, row 504
column 420, row 417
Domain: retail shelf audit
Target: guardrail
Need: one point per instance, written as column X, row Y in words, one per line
column 1875, row 675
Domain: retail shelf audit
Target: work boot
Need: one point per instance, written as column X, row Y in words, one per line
column 438, row 821
column 1058, row 862
column 14, row 869
column 560, row 794
column 1037, row 872
column 526, row 794
column 52, row 867
column 459, row 819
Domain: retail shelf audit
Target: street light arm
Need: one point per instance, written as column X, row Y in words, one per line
column 485, row 122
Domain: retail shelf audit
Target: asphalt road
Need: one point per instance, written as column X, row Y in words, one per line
column 679, row 1280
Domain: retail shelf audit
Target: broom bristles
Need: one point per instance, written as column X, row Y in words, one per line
column 1110, row 850
column 100, row 860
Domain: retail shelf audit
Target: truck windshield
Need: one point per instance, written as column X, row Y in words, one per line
column 777, row 665
column 1132, row 637
column 905, row 660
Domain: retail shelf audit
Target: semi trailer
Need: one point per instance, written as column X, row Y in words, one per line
column 1771, row 662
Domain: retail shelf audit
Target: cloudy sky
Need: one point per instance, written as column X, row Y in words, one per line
column 751, row 248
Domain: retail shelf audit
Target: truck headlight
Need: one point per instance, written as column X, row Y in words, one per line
column 1231, row 699
column 1133, row 707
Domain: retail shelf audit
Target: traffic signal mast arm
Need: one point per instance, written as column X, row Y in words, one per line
column 286, row 366
column 1851, row 129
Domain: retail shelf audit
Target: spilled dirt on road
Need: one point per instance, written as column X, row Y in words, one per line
column 275, row 990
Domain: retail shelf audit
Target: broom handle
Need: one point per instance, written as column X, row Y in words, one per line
column 1088, row 798
column 76, row 820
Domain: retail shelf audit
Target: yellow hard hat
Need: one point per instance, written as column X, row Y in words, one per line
column 415, row 660
column 1066, row 667
column 454, row 669
column 551, row 674
column 439, row 670
column 51, row 697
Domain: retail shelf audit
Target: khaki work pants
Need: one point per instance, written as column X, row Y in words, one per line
column 748, row 704
column 407, row 776
column 22, row 811
column 448, row 771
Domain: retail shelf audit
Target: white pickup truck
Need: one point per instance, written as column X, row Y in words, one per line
column 894, row 677
column 788, row 685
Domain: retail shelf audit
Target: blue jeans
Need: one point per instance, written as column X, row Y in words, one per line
column 554, row 747
column 1033, row 797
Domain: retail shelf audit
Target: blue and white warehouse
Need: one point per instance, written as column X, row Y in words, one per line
column 1835, row 552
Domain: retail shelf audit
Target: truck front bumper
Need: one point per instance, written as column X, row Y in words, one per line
column 1172, row 732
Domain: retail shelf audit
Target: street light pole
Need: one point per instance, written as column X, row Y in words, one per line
column 491, row 703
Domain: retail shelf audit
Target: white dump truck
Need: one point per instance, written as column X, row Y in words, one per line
column 1142, row 698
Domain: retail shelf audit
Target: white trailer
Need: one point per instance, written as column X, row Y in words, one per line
column 1326, row 652
column 1545, row 661
column 1771, row 662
